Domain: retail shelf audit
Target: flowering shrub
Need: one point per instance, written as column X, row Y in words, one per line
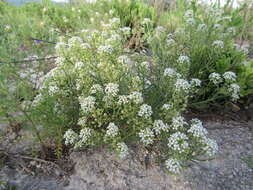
column 103, row 94
column 203, row 48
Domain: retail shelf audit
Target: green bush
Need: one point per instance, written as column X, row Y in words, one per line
column 103, row 94
column 206, row 40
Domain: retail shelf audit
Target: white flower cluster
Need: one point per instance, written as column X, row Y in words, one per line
column 229, row 76
column 70, row 137
column 123, row 99
column 215, row 78
column 96, row 88
column 190, row 21
column 218, row 44
column 178, row 142
column 159, row 126
column 87, row 104
column 197, row 129
column 170, row 41
column 173, row 165
column 145, row 111
column 123, row 59
column 112, row 130
column 105, row 49
column 188, row 13
column 82, row 121
column 125, row 30
column 123, row 150
column 145, row 65
column 146, row 136
column 75, row 41
column 183, row 59
column 166, row 107
column 234, row 89
column 195, row 82
column 112, row 89
column 178, row 122
column 159, row 30
column 211, row 147
column 169, row 72
column 84, row 136
column 52, row 88
column 79, row 65
column 136, row 97
column 182, row 85
column 115, row 21
column 202, row 27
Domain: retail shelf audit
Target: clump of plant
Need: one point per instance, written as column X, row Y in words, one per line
column 204, row 48
column 103, row 94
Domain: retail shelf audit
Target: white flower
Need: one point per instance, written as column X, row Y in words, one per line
column 229, row 76
column 195, row 82
column 123, row 99
column 234, row 89
column 115, row 37
column 75, row 40
column 59, row 61
column 136, row 97
column 202, row 27
column 218, row 44
column 217, row 26
column 123, row 150
column 85, row 46
column 124, row 59
column 159, row 30
column 159, row 126
column 108, row 100
column 211, row 147
column 183, row 59
column 87, row 104
column 96, row 88
column 197, row 128
column 215, row 78
column 169, row 72
column 37, row 100
column 82, row 121
column 52, row 88
column 146, row 21
column 145, row 65
column 147, row 83
column 182, row 84
column 145, row 111
column 79, row 65
column 112, row 130
column 105, row 49
column 85, row 134
column 178, row 122
column 173, row 165
column 70, row 137
column 178, row 142
column 231, row 30
column 112, row 89
column 166, row 107
column 190, row 21
column 170, row 42
column 115, row 21
column 125, row 30
column 146, row 136
column 188, row 13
